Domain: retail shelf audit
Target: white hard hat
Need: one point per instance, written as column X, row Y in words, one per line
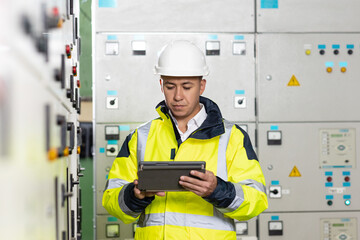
column 181, row 58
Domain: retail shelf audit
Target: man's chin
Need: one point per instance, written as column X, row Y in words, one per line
column 178, row 114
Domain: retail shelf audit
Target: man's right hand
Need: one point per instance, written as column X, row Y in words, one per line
column 141, row 194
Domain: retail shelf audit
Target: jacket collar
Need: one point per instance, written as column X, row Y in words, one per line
column 212, row 126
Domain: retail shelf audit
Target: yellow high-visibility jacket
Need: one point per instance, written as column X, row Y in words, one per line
column 228, row 153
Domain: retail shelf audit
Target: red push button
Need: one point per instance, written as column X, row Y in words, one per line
column 68, row 51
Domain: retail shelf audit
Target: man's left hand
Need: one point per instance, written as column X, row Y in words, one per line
column 204, row 186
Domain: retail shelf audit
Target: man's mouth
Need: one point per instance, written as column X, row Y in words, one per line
column 178, row 106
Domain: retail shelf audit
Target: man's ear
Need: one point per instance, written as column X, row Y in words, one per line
column 161, row 85
column 202, row 86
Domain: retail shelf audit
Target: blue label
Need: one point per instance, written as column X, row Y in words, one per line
column 112, row 92
column 329, row 64
column 345, row 219
column 328, row 173
column 107, row 3
column 329, row 197
column 112, row 219
column 346, row 184
column 340, row 166
column 102, row 150
column 336, row 46
column 274, row 127
column 343, row 64
column 275, row 218
column 344, row 130
column 346, row 173
column 238, row 37
column 111, row 37
column 112, row 141
column 321, row 46
column 347, row 197
column 124, row 128
column 213, row 37
column 350, row 46
column 107, row 176
column 269, row 4
column 275, row 182
column 139, row 37
column 328, row 184
column 239, row 92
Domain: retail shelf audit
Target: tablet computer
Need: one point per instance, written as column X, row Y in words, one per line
column 165, row 175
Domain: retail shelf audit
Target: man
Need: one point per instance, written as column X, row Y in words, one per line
column 190, row 128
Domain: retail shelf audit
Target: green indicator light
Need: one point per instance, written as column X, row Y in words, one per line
column 338, row 225
column 347, row 202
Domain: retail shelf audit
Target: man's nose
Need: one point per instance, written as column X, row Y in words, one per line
column 178, row 94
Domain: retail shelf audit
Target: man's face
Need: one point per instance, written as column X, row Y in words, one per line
column 182, row 95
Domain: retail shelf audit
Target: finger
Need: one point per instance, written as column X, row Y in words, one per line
column 198, row 174
column 195, row 190
column 149, row 194
column 191, row 180
column 160, row 194
column 191, row 187
column 138, row 193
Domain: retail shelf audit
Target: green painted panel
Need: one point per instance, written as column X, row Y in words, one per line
column 86, row 49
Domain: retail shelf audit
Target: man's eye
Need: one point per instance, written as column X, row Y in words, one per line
column 169, row 88
column 187, row 88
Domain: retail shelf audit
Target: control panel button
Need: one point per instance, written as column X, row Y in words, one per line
column 112, row 133
column 112, row 230
column 111, row 48
column 112, row 102
column 112, row 150
column 274, row 137
column 275, row 228
column 212, row 48
column 239, row 48
column 241, row 228
column 342, row 236
column 138, row 47
column 275, row 191
column 240, row 102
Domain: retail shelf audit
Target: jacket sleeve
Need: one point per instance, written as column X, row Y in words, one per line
column 245, row 174
column 118, row 198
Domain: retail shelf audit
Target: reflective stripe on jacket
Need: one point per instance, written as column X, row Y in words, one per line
column 228, row 153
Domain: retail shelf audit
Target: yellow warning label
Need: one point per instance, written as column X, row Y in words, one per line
column 295, row 172
column 293, row 81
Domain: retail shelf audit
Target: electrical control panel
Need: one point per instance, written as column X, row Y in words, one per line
column 339, row 228
column 39, row 126
column 164, row 16
column 307, row 16
column 309, row 225
column 308, row 77
column 295, row 170
column 136, row 90
column 284, row 71
column 338, row 148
